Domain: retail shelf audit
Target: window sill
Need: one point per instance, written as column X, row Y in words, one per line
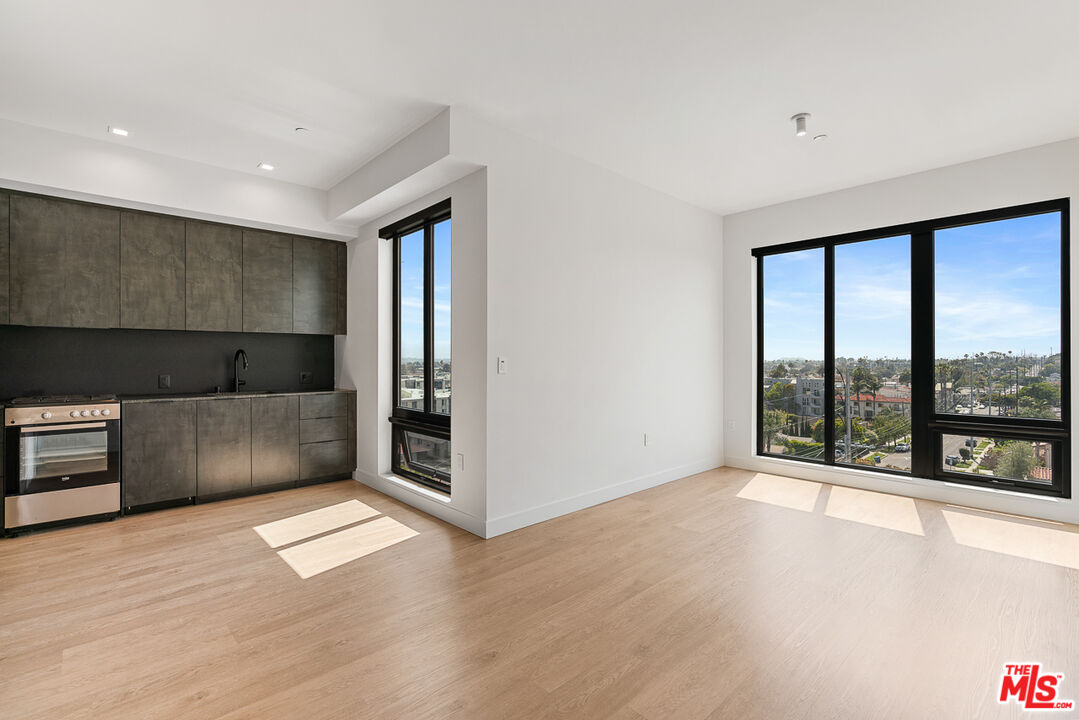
column 907, row 479
column 416, row 488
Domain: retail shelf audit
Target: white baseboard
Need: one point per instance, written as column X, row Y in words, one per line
column 524, row 518
column 418, row 499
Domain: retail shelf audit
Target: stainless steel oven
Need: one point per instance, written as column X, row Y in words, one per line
column 62, row 460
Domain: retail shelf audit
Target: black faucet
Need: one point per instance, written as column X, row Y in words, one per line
column 237, row 382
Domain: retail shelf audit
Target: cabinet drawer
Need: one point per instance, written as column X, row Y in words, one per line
column 322, row 405
column 323, row 429
column 324, row 458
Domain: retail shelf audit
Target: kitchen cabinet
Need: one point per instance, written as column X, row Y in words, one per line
column 275, row 440
column 4, row 276
column 159, row 451
column 314, row 286
column 342, row 290
column 267, row 282
column 224, row 446
column 64, row 263
column 327, row 447
column 153, row 268
column 214, row 277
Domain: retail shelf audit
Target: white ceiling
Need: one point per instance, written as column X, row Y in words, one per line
column 691, row 98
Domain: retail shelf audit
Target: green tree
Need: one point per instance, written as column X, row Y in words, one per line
column 779, row 371
column 1016, row 461
column 780, row 397
column 774, row 422
column 1042, row 392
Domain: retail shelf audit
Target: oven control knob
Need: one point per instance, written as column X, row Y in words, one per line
column 46, row 415
column 106, row 411
column 85, row 413
column 95, row 413
column 74, row 413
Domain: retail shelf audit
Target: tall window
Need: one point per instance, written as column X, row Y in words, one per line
column 938, row 349
column 421, row 346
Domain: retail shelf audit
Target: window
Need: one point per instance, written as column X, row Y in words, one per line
column 939, row 349
column 421, row 346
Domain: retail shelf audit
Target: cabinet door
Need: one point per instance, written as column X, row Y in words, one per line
column 224, row 441
column 275, row 440
column 267, row 281
column 322, row 405
column 342, row 289
column 4, row 261
column 314, row 286
column 152, row 272
column 65, row 263
column 323, row 459
column 214, row 277
column 158, row 451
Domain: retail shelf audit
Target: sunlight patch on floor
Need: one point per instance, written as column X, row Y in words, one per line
column 782, row 491
column 316, row 522
column 1011, row 537
column 325, row 553
column 890, row 512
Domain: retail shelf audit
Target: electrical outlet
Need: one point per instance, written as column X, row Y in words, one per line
column 731, row 424
column 164, row 381
column 305, row 377
column 646, row 439
column 460, row 461
column 501, row 366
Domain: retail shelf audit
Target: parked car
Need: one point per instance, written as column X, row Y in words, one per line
column 902, row 447
column 970, row 442
column 951, row 460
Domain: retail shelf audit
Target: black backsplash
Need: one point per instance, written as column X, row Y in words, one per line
column 53, row 361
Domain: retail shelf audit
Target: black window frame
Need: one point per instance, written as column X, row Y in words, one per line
column 425, row 422
column 928, row 426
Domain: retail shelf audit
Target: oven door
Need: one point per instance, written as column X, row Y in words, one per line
column 44, row 458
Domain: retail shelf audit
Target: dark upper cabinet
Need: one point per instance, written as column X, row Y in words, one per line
column 4, row 276
column 65, row 263
column 267, row 282
column 342, row 289
column 275, row 440
column 153, row 268
column 214, row 277
column 159, row 451
column 224, row 442
column 314, row 286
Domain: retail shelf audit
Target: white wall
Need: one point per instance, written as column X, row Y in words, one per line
column 1042, row 173
column 605, row 299
column 39, row 160
column 365, row 354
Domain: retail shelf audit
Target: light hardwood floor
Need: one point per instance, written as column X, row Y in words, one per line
column 723, row 595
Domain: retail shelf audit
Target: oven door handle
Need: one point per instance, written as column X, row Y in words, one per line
column 69, row 426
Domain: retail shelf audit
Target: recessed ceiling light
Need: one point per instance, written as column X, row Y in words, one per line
column 117, row 131
column 265, row 166
column 822, row 136
column 800, row 123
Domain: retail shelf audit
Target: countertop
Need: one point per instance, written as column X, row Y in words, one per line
column 224, row 395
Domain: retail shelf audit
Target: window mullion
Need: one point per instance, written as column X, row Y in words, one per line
column 829, row 354
column 923, row 449
column 428, row 318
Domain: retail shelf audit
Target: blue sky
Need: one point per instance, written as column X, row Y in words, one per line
column 997, row 288
column 412, row 293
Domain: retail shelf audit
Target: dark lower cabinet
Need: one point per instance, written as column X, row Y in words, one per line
column 323, row 459
column 65, row 263
column 224, row 446
column 275, row 440
column 159, row 450
column 4, row 257
column 175, row 449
